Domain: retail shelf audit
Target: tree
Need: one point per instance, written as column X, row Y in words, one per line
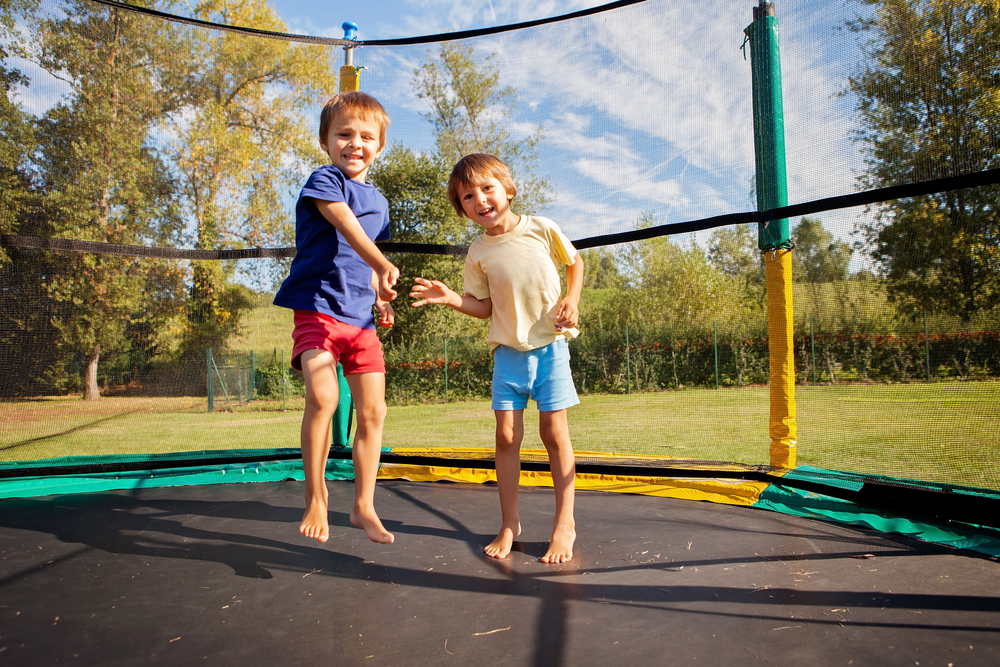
column 817, row 257
column 100, row 178
column 242, row 147
column 929, row 100
column 734, row 252
column 602, row 271
column 471, row 113
column 419, row 212
column 671, row 286
column 17, row 140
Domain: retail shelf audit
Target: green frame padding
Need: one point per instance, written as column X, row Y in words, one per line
column 785, row 500
column 981, row 539
column 205, row 472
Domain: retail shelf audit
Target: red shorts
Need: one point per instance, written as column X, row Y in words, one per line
column 358, row 350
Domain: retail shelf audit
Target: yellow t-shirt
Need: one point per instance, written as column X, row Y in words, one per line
column 517, row 272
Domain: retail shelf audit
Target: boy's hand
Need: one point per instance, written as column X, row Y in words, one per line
column 432, row 291
column 387, row 314
column 568, row 314
column 387, row 278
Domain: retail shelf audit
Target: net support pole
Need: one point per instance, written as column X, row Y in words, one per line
column 350, row 80
column 343, row 415
column 773, row 238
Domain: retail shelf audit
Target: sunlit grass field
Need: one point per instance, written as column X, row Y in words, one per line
column 948, row 431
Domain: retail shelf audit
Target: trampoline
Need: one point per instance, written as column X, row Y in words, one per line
column 219, row 574
column 143, row 534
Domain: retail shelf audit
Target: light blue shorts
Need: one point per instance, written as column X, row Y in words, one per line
column 542, row 374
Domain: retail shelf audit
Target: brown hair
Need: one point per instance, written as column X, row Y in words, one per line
column 477, row 165
column 357, row 103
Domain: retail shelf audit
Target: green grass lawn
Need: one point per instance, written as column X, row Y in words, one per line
column 948, row 431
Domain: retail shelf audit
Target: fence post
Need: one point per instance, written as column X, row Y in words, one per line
column 253, row 377
column 812, row 344
column 927, row 349
column 673, row 357
column 208, row 379
column 628, row 366
column 445, row 370
column 240, row 364
column 715, row 350
column 284, row 382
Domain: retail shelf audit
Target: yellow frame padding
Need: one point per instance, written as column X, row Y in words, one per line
column 729, row 492
column 783, row 427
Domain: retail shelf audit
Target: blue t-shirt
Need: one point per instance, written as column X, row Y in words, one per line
column 327, row 275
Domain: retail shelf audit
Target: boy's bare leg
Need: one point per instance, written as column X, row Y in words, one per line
column 510, row 432
column 554, row 430
column 319, row 369
column 368, row 390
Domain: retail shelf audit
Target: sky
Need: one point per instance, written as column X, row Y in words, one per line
column 644, row 110
column 392, row 19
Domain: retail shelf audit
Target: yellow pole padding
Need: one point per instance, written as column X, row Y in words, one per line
column 349, row 79
column 783, row 427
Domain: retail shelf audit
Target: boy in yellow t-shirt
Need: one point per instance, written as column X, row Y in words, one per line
column 511, row 277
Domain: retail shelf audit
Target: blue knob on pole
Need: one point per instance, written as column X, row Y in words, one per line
column 350, row 30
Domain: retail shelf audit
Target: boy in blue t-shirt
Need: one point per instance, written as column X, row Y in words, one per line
column 337, row 275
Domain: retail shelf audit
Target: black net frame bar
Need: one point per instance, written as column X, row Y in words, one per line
column 864, row 198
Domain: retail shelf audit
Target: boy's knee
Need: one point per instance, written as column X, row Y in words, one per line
column 555, row 440
column 322, row 399
column 505, row 442
column 373, row 413
column 508, row 437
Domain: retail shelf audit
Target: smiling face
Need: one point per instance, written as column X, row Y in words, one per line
column 352, row 143
column 485, row 201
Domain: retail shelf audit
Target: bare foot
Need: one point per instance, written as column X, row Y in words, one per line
column 560, row 545
column 501, row 545
column 368, row 521
column 315, row 523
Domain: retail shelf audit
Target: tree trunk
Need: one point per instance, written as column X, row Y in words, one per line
column 91, row 392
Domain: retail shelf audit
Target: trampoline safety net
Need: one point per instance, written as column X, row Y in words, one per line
column 151, row 167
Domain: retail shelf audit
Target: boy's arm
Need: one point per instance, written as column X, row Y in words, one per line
column 436, row 292
column 339, row 214
column 568, row 314
column 387, row 316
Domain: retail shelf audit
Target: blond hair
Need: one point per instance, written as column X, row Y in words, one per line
column 356, row 103
column 473, row 166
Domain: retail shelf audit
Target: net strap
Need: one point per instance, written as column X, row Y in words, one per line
column 865, row 198
column 330, row 41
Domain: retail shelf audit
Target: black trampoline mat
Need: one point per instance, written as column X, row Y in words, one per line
column 219, row 575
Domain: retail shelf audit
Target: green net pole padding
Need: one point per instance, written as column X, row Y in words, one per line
column 768, row 124
column 345, row 411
